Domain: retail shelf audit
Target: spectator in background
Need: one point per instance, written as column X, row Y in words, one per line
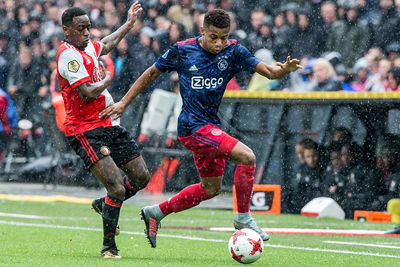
column 24, row 84
column 306, row 43
column 7, row 50
column 263, row 38
column 349, row 37
column 360, row 71
column 309, row 175
column 364, row 184
column 392, row 84
column 300, row 149
column 259, row 82
column 376, row 82
column 281, row 31
column 385, row 28
column 333, row 179
column 388, row 162
column 328, row 15
column 8, row 119
column 325, row 76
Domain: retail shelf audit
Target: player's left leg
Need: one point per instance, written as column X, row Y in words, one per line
column 245, row 159
column 137, row 177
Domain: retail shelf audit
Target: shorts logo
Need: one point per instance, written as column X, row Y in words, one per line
column 73, row 66
column 216, row 132
column 222, row 64
column 105, row 150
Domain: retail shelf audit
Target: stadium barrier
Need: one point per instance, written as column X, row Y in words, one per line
column 266, row 199
column 372, row 216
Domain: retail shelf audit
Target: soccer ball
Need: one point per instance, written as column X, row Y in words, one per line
column 245, row 246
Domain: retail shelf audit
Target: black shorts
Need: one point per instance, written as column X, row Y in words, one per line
column 98, row 143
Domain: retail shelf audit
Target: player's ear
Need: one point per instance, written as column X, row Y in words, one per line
column 65, row 29
column 202, row 30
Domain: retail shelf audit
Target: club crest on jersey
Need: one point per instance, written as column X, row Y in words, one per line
column 105, row 150
column 222, row 64
column 73, row 66
column 216, row 132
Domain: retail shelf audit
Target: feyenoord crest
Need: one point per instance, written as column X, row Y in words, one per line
column 73, row 66
column 222, row 64
column 105, row 150
column 216, row 132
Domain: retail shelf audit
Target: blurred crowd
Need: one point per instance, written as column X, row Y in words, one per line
column 344, row 45
column 341, row 171
column 351, row 45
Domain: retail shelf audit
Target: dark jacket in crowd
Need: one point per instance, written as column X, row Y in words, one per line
column 330, row 84
column 385, row 28
column 309, row 185
column 336, row 178
column 350, row 39
column 363, row 187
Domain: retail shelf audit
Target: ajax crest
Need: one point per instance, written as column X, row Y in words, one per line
column 222, row 64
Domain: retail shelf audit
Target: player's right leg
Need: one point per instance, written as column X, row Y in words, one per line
column 90, row 147
column 189, row 197
column 243, row 182
column 108, row 173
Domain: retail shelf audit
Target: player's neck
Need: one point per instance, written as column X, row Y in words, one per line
column 201, row 42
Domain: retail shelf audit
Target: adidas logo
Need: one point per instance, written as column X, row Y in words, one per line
column 193, row 68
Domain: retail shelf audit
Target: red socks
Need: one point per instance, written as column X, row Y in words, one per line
column 189, row 197
column 244, row 181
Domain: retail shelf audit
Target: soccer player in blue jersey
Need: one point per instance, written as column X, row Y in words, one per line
column 205, row 65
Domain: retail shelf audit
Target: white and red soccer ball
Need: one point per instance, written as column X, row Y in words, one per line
column 245, row 246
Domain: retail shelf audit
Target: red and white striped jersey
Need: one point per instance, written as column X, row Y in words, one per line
column 75, row 67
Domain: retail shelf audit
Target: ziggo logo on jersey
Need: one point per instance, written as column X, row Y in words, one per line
column 199, row 82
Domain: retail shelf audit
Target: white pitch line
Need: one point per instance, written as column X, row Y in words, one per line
column 360, row 244
column 100, row 230
column 201, row 239
column 334, row 251
column 305, row 230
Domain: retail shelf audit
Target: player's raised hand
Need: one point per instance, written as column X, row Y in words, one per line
column 134, row 11
column 290, row 65
column 116, row 108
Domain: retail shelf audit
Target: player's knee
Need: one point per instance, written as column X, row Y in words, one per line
column 213, row 190
column 249, row 158
column 143, row 179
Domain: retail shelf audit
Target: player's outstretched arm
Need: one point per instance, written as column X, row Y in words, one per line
column 111, row 41
column 283, row 69
column 139, row 86
column 90, row 91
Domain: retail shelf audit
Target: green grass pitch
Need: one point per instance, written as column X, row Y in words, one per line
column 66, row 234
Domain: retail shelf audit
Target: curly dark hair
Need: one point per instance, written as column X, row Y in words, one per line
column 70, row 13
column 218, row 18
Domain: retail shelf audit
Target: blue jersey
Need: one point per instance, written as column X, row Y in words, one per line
column 203, row 78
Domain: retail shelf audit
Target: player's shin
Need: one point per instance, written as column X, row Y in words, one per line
column 110, row 216
column 244, row 181
column 189, row 197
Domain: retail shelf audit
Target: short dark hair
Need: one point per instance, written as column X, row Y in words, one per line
column 310, row 144
column 218, row 18
column 70, row 13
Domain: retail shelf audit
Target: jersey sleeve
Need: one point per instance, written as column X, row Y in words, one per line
column 71, row 67
column 245, row 60
column 98, row 46
column 169, row 61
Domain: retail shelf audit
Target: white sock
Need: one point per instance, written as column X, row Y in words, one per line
column 243, row 217
column 156, row 212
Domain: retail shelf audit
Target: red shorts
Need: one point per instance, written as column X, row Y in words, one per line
column 211, row 147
